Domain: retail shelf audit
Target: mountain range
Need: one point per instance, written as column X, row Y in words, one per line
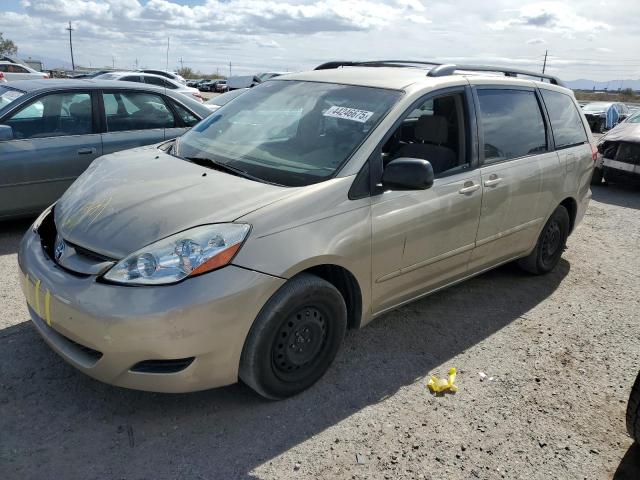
column 612, row 85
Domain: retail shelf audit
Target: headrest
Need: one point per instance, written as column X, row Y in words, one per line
column 432, row 129
column 80, row 109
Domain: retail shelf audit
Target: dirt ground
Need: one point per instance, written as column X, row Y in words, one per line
column 560, row 353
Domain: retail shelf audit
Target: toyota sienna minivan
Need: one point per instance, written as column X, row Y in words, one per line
column 311, row 204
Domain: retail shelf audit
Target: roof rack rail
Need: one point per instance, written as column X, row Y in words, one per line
column 450, row 69
column 374, row 63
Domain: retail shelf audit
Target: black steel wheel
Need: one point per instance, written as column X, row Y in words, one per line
column 295, row 338
column 551, row 242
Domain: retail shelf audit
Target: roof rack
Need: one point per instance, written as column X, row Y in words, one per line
column 441, row 70
column 374, row 63
column 450, row 69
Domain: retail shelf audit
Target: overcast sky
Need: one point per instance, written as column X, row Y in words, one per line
column 596, row 39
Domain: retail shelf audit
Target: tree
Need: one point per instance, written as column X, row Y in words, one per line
column 7, row 47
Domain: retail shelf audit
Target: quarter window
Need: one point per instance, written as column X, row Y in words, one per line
column 512, row 124
column 187, row 117
column 136, row 111
column 54, row 116
column 566, row 122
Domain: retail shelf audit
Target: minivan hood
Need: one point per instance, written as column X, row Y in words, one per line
column 129, row 199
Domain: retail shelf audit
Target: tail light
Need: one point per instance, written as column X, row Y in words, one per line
column 1, row 76
column 45, row 76
column 594, row 152
column 198, row 96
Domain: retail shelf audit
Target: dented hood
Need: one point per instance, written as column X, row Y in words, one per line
column 627, row 132
column 130, row 199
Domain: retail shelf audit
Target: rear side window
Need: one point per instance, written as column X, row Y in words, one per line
column 136, row 111
column 161, row 82
column 512, row 124
column 566, row 122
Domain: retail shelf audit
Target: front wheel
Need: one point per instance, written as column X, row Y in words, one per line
column 550, row 245
column 295, row 338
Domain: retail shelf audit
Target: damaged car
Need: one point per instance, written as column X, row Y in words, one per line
column 603, row 116
column 619, row 153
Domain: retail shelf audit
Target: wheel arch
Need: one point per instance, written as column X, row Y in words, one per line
column 572, row 208
column 347, row 285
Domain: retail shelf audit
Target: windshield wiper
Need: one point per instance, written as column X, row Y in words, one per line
column 223, row 167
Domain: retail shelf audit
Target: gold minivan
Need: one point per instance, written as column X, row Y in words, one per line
column 310, row 204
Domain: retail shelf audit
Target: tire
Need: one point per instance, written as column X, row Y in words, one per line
column 596, row 178
column 633, row 411
column 295, row 338
column 550, row 245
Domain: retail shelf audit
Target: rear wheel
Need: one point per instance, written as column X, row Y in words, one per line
column 551, row 243
column 633, row 411
column 295, row 338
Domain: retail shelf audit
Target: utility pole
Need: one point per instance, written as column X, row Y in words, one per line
column 113, row 61
column 73, row 64
column 136, row 64
column 167, row 67
column 181, row 64
column 544, row 65
column 229, row 69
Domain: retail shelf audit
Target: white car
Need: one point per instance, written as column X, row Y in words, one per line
column 10, row 71
column 156, row 80
column 167, row 74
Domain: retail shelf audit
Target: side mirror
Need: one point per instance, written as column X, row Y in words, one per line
column 408, row 174
column 6, row 133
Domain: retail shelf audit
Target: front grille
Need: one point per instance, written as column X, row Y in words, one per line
column 628, row 153
column 162, row 366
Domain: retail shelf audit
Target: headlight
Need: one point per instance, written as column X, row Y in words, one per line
column 36, row 225
column 182, row 255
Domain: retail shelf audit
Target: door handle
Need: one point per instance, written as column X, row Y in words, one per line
column 492, row 182
column 469, row 188
column 86, row 151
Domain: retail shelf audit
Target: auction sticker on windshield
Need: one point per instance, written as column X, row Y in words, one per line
column 348, row 114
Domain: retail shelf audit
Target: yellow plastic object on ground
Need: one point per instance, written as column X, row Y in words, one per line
column 437, row 385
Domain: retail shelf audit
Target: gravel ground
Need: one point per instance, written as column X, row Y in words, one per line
column 560, row 353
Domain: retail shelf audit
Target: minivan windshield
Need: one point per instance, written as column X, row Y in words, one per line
column 286, row 132
column 9, row 95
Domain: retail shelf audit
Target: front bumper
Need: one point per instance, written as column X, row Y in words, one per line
column 617, row 170
column 104, row 329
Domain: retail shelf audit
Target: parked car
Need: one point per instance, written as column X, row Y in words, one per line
column 619, row 153
column 603, row 116
column 50, row 131
column 201, row 82
column 13, row 71
column 164, row 73
column 156, row 80
column 193, row 82
column 213, row 85
column 308, row 205
column 91, row 74
column 242, row 81
column 216, row 102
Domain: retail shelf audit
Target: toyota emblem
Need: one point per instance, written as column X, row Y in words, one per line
column 58, row 250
